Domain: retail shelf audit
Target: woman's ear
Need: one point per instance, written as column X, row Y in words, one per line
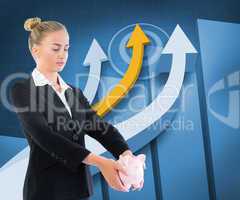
column 35, row 51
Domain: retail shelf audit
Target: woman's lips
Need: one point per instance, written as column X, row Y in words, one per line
column 60, row 63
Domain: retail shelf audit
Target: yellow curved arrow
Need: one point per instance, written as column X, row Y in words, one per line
column 137, row 41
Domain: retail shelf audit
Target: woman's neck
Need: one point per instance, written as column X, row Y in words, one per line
column 51, row 76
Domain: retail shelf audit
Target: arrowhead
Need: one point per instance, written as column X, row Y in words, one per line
column 137, row 37
column 178, row 43
column 94, row 54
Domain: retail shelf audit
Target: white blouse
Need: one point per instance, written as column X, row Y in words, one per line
column 40, row 80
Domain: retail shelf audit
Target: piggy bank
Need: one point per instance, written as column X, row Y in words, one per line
column 135, row 167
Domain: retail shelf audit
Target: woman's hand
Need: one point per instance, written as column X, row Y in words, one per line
column 109, row 169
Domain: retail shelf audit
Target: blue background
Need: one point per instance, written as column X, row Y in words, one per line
column 202, row 163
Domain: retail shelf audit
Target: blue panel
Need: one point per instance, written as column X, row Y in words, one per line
column 181, row 157
column 97, row 192
column 220, row 44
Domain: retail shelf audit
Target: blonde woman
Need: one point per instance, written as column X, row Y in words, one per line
column 48, row 110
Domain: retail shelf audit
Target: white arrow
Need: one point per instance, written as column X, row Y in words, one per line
column 20, row 156
column 95, row 56
column 178, row 45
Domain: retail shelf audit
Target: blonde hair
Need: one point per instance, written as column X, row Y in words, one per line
column 39, row 29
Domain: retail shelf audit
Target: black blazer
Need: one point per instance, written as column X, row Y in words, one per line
column 57, row 148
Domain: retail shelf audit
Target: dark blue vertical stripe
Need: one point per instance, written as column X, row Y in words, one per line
column 104, row 186
column 156, row 169
column 205, row 130
column 154, row 146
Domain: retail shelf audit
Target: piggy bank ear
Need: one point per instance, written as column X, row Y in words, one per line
column 142, row 157
column 124, row 159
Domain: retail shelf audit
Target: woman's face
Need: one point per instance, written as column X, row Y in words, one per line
column 52, row 52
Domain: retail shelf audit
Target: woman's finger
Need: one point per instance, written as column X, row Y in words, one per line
column 119, row 184
column 134, row 188
column 121, row 168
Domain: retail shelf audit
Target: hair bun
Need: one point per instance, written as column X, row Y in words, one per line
column 31, row 23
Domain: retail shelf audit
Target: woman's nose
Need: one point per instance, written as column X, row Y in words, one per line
column 62, row 55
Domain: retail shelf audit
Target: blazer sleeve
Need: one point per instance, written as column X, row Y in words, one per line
column 71, row 154
column 103, row 131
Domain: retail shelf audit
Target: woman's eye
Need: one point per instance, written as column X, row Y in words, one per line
column 59, row 49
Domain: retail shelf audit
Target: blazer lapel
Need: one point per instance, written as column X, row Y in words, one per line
column 77, row 108
column 70, row 97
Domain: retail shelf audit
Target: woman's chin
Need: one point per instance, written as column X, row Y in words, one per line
column 59, row 68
